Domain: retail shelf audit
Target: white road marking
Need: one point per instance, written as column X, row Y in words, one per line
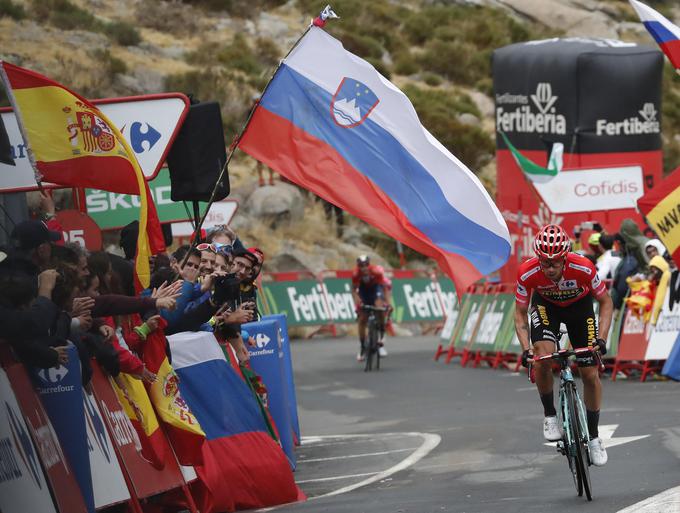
column 525, row 389
column 321, row 441
column 607, row 436
column 430, row 441
column 318, row 480
column 302, row 460
column 664, row 502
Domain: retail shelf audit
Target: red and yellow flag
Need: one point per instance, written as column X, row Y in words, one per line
column 661, row 208
column 71, row 142
column 182, row 427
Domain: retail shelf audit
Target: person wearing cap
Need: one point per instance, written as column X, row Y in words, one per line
column 248, row 287
column 609, row 260
column 34, row 239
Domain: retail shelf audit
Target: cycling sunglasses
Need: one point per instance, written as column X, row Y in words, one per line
column 207, row 246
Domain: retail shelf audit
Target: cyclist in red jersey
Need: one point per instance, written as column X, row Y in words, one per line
column 370, row 286
column 558, row 286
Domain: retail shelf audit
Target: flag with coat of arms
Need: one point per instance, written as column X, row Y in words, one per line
column 331, row 123
column 72, row 143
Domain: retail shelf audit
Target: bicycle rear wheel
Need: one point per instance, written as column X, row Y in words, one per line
column 372, row 343
column 581, row 433
column 569, row 437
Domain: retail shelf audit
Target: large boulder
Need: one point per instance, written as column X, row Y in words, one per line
column 277, row 201
column 571, row 17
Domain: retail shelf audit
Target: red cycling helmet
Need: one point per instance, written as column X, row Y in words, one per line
column 551, row 242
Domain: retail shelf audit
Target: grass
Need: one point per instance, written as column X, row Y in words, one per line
column 12, row 10
column 66, row 15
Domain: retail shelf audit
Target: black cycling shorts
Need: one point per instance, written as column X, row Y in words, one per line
column 579, row 318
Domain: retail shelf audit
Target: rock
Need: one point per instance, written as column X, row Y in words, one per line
column 141, row 81
column 276, row 200
column 483, row 103
column 468, row 119
column 558, row 15
column 351, row 235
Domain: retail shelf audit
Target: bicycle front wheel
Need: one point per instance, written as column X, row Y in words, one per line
column 372, row 343
column 569, row 437
column 579, row 442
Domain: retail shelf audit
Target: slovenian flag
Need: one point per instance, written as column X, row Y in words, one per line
column 665, row 33
column 331, row 123
column 243, row 467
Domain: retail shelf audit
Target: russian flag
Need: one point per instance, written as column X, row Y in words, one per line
column 243, row 467
column 331, row 123
column 665, row 33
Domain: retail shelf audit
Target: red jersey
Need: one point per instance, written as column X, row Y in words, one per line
column 375, row 276
column 579, row 279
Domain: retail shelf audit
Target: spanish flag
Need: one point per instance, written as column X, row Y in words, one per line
column 661, row 208
column 70, row 142
column 181, row 426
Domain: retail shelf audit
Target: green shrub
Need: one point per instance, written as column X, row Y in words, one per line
column 113, row 65
column 65, row 15
column 432, row 79
column 123, row 33
column 405, row 64
column 438, row 110
column 12, row 10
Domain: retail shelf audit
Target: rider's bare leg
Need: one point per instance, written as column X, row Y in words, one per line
column 592, row 395
column 544, row 376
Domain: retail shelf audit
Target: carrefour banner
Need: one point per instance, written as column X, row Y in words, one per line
column 23, row 486
column 60, row 391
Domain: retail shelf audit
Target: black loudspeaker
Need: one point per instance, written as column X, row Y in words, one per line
column 198, row 155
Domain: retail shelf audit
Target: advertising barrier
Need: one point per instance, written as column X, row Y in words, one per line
column 23, row 486
column 289, row 378
column 60, row 391
column 267, row 360
column 38, row 441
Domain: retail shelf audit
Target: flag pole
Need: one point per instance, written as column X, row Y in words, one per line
column 319, row 21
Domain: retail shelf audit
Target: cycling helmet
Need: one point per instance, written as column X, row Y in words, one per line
column 551, row 242
column 363, row 260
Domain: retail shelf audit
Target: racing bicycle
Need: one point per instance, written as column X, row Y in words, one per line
column 376, row 331
column 572, row 413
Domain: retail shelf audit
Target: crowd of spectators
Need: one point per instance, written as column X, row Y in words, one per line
column 55, row 294
column 639, row 268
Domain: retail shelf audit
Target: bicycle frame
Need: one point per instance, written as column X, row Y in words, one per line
column 574, row 443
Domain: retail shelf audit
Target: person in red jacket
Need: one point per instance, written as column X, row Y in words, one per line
column 370, row 286
column 554, row 287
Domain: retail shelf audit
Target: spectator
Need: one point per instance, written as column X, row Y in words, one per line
column 207, row 265
column 34, row 239
column 633, row 259
column 647, row 295
column 608, row 260
column 655, row 247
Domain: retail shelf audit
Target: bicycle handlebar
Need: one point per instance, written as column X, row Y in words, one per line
column 373, row 308
column 564, row 353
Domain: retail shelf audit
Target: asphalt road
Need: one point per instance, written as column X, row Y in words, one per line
column 422, row 436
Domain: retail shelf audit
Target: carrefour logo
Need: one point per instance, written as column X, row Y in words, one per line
column 262, row 340
column 524, row 118
column 646, row 123
column 138, row 137
column 52, row 377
